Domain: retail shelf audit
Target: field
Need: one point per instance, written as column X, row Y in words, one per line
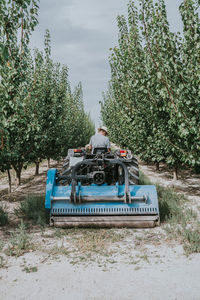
column 39, row 261
column 151, row 106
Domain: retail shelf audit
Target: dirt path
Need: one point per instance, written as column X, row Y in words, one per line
column 178, row 279
column 31, row 184
column 101, row 264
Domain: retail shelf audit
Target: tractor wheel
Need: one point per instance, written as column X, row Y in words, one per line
column 66, row 169
column 65, row 164
column 133, row 172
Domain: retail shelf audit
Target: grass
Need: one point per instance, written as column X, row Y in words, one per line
column 86, row 245
column 2, row 262
column 96, row 240
column 30, row 269
column 144, row 257
column 191, row 238
column 33, row 209
column 3, row 217
column 20, row 242
column 170, row 203
column 1, row 245
column 181, row 222
column 89, row 240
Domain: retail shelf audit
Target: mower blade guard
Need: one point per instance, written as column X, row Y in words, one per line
column 101, row 206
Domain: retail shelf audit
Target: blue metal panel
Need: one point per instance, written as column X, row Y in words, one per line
column 92, row 190
column 57, row 199
column 51, row 181
column 64, row 207
column 107, row 191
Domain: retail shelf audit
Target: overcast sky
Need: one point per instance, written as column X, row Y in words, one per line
column 82, row 31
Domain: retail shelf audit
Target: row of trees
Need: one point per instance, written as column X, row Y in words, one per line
column 153, row 100
column 40, row 116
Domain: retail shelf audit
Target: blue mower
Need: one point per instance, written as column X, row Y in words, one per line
column 100, row 189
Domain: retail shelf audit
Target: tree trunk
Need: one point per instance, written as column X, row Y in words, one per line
column 9, row 181
column 18, row 169
column 37, row 165
column 157, row 166
column 18, row 173
column 49, row 166
column 175, row 173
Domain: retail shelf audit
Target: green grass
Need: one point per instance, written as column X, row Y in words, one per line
column 170, row 203
column 33, row 209
column 181, row 222
column 1, row 245
column 20, row 242
column 3, row 217
column 2, row 262
column 30, row 269
column 191, row 239
column 86, row 245
column 96, row 240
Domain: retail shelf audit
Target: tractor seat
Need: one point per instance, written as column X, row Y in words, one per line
column 100, row 150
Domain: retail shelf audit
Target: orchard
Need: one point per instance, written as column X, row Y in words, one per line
column 152, row 104
column 40, row 116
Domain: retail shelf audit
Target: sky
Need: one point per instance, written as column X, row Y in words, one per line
column 82, row 32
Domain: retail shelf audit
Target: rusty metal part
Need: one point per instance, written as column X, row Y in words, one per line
column 106, row 221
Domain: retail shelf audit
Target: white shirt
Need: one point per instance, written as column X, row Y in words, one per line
column 99, row 140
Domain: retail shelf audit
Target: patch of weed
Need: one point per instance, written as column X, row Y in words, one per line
column 33, row 209
column 191, row 239
column 190, row 213
column 111, row 261
column 2, row 262
column 173, row 211
column 143, row 179
column 87, row 245
column 1, row 245
column 144, row 257
column 30, row 269
column 58, row 233
column 139, row 238
column 132, row 261
column 170, row 204
column 169, row 201
column 19, row 242
column 55, row 233
column 97, row 240
column 3, row 216
column 60, row 250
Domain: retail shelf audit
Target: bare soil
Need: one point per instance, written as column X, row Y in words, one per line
column 98, row 264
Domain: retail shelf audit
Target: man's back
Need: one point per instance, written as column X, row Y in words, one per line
column 99, row 140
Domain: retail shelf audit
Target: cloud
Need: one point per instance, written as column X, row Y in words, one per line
column 82, row 31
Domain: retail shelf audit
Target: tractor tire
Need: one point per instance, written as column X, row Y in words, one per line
column 66, row 169
column 133, row 172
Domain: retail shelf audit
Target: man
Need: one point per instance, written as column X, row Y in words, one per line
column 100, row 139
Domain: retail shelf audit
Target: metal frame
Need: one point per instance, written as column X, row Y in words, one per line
column 100, row 205
column 89, row 162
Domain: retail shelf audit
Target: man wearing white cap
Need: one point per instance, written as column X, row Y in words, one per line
column 100, row 139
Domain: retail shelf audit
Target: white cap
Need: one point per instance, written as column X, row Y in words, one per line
column 103, row 128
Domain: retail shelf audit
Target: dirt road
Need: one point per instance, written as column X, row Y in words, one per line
column 102, row 264
column 174, row 278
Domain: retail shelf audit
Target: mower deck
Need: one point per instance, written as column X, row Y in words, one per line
column 101, row 205
column 140, row 221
